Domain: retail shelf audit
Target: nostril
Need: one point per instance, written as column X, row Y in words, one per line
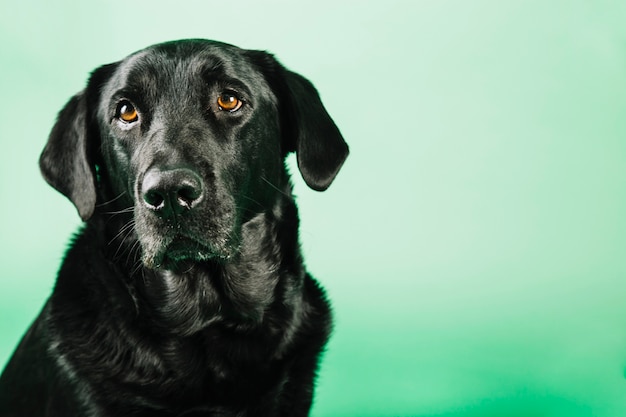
column 154, row 199
column 187, row 195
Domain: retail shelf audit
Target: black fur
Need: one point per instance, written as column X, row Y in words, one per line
column 185, row 293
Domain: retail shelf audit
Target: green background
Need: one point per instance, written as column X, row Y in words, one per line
column 473, row 244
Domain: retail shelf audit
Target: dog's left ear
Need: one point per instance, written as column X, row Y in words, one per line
column 319, row 146
column 308, row 130
column 65, row 163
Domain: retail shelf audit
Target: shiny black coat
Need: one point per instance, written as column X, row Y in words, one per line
column 185, row 293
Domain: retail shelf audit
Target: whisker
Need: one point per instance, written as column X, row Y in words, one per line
column 117, row 213
column 126, row 210
column 126, row 231
column 136, row 268
column 112, row 200
column 134, row 256
column 123, row 230
column 288, row 195
column 251, row 199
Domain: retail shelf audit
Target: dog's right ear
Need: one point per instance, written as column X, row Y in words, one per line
column 67, row 162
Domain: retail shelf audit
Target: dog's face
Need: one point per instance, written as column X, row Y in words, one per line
column 191, row 136
column 192, row 133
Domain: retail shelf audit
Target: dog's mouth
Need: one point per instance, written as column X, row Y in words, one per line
column 199, row 235
column 180, row 253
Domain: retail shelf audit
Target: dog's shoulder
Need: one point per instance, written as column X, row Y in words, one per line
column 33, row 372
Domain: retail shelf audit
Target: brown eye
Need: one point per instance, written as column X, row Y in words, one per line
column 229, row 102
column 126, row 112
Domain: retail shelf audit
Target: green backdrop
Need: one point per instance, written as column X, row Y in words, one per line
column 474, row 243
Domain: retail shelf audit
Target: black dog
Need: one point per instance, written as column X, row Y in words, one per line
column 185, row 293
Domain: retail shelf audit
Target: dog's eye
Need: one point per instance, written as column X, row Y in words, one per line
column 126, row 112
column 229, row 102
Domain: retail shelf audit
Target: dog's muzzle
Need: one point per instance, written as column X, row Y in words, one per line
column 174, row 227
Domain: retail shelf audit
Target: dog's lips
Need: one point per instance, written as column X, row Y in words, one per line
column 181, row 250
column 178, row 251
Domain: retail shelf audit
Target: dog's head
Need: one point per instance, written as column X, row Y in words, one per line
column 190, row 137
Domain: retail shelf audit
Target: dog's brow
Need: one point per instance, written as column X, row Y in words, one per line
column 142, row 74
column 128, row 92
column 206, row 64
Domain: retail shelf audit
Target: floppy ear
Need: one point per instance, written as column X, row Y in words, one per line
column 319, row 146
column 308, row 130
column 65, row 163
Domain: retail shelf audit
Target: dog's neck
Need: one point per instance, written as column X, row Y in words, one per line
column 238, row 293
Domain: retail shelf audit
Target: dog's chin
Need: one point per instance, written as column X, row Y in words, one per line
column 180, row 254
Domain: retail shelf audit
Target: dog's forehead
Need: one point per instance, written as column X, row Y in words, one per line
column 180, row 63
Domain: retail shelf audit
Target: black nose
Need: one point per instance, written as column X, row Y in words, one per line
column 171, row 192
